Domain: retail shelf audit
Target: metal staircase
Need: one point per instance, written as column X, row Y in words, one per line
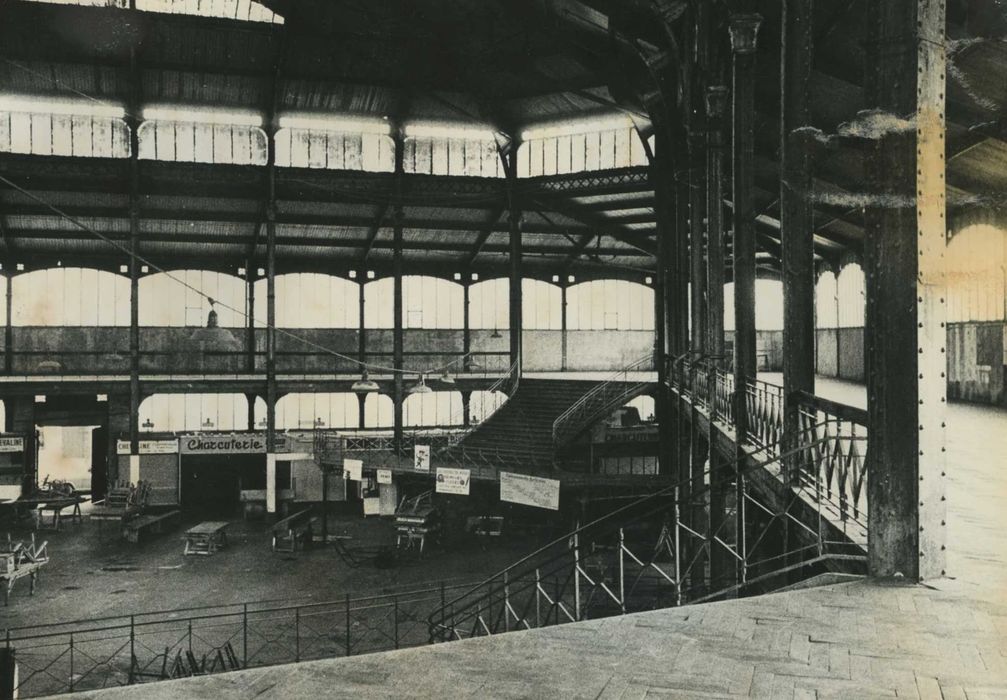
column 652, row 553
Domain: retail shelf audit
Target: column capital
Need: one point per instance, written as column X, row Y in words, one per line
column 744, row 31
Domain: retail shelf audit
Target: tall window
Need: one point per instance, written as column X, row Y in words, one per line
column 541, row 305
column 379, row 411
column 489, row 305
column 826, row 301
column 850, row 286
column 70, row 296
column 196, row 136
column 427, row 302
column 310, row 300
column 62, row 128
column 976, row 261
column 307, row 411
column 768, row 305
column 194, row 412
column 334, row 150
column 610, row 305
column 574, row 147
column 432, row 149
column 170, row 299
column 436, row 409
column 483, row 404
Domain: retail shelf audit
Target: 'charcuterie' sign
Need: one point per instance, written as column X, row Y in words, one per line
column 216, row 443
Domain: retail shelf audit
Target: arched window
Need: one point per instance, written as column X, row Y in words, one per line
column 768, row 305
column 451, row 150
column 70, row 296
column 610, row 305
column 976, row 264
column 850, row 286
column 307, row 411
column 192, row 412
column 310, row 300
column 171, row 299
column 379, row 411
column 826, row 301
column 427, row 302
column 489, row 305
column 63, row 128
column 573, row 147
column 198, row 136
column 483, row 404
column 436, row 409
column 541, row 306
column 334, row 145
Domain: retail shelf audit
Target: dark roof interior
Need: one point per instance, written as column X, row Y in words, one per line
column 506, row 63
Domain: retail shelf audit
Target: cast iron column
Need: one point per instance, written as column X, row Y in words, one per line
column 8, row 358
column 906, row 288
column 515, row 295
column 797, row 216
column 744, row 29
column 664, row 196
column 250, row 317
column 716, row 104
column 397, row 273
column 133, row 124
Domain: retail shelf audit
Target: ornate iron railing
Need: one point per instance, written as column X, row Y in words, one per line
column 641, row 556
column 764, row 412
column 600, row 400
column 125, row 650
column 723, row 397
column 835, row 459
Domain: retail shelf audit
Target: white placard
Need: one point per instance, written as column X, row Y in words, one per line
column 454, row 481
column 149, row 447
column 11, row 444
column 353, row 469
column 529, row 490
column 372, row 506
column 384, row 476
column 421, row 458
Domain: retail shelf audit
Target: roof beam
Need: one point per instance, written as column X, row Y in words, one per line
column 372, row 234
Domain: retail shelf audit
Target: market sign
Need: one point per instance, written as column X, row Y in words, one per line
column 453, row 481
column 223, row 443
column 148, row 447
column 384, row 476
column 421, row 458
column 529, row 490
column 11, row 444
column 353, row 469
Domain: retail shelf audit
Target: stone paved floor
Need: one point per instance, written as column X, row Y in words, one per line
column 854, row 640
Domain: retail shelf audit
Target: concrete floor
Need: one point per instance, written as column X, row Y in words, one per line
column 93, row 573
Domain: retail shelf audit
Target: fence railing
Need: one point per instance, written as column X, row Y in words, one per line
column 118, row 651
column 764, row 412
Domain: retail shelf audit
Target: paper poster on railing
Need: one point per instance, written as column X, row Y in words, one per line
column 453, row 481
column 353, row 469
column 529, row 490
column 421, row 458
column 384, row 476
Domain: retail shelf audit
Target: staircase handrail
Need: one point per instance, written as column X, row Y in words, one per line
column 507, row 385
column 696, row 485
column 594, row 401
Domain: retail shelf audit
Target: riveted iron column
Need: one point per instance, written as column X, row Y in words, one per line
column 250, row 317
column 716, row 105
column 664, row 195
column 744, row 31
column 906, row 288
column 397, row 273
column 271, row 394
column 797, row 216
column 8, row 356
column 515, row 296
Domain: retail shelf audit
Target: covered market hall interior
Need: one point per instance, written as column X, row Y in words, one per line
column 503, row 348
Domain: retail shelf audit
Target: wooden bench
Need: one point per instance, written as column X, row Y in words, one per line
column 151, row 523
column 293, row 530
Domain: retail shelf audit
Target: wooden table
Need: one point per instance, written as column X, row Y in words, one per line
column 206, row 538
column 56, row 506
